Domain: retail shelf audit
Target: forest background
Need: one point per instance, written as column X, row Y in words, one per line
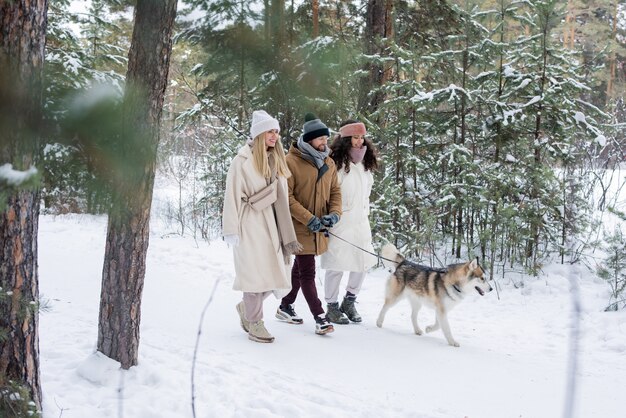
column 496, row 121
column 490, row 116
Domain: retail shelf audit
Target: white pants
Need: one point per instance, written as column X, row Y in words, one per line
column 333, row 280
column 253, row 305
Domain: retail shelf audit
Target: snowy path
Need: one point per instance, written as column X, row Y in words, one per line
column 512, row 360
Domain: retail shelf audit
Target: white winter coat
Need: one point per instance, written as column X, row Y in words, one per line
column 259, row 262
column 354, row 225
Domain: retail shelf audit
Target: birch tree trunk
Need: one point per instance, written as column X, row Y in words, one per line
column 22, row 42
column 128, row 227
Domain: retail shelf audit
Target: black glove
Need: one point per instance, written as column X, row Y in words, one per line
column 330, row 220
column 314, row 224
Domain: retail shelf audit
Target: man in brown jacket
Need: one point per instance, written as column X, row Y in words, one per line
column 315, row 204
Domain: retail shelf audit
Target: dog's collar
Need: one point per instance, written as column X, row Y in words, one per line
column 456, row 288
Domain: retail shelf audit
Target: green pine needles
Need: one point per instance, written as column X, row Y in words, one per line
column 15, row 401
column 613, row 268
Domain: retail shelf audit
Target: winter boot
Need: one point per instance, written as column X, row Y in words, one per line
column 347, row 307
column 322, row 325
column 335, row 315
column 288, row 314
column 245, row 324
column 259, row 333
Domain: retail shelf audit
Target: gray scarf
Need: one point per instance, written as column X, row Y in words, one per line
column 311, row 154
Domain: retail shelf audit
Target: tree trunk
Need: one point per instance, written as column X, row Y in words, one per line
column 128, row 228
column 568, row 35
column 277, row 19
column 291, row 21
column 22, row 42
column 378, row 25
column 242, row 69
column 532, row 244
column 316, row 18
column 266, row 20
column 609, row 84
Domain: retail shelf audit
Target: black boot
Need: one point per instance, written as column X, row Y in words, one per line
column 347, row 307
column 335, row 315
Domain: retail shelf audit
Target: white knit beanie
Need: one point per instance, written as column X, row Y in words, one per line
column 262, row 122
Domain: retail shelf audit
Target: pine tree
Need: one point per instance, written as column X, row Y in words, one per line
column 378, row 32
column 592, row 26
column 486, row 136
column 557, row 126
column 22, row 41
column 128, row 227
column 613, row 270
column 70, row 178
column 107, row 41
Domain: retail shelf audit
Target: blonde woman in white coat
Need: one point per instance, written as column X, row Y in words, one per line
column 257, row 223
column 355, row 157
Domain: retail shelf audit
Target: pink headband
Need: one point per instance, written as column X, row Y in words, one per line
column 352, row 129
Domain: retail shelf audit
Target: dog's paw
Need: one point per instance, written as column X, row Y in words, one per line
column 418, row 331
column 454, row 343
column 430, row 328
column 379, row 323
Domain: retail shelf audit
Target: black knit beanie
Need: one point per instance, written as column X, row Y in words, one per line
column 313, row 128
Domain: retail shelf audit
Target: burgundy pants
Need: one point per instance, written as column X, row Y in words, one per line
column 303, row 276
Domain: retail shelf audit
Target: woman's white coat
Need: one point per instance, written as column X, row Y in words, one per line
column 354, row 225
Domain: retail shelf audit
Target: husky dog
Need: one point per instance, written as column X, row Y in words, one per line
column 441, row 289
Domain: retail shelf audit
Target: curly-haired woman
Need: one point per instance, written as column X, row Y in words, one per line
column 355, row 157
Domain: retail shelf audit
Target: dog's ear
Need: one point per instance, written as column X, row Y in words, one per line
column 473, row 265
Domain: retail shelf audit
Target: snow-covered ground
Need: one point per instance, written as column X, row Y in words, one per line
column 512, row 362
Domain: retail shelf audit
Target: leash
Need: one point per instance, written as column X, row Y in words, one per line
column 327, row 232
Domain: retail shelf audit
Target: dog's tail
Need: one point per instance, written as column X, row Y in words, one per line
column 392, row 256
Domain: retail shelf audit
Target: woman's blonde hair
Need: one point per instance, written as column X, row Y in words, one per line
column 260, row 157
